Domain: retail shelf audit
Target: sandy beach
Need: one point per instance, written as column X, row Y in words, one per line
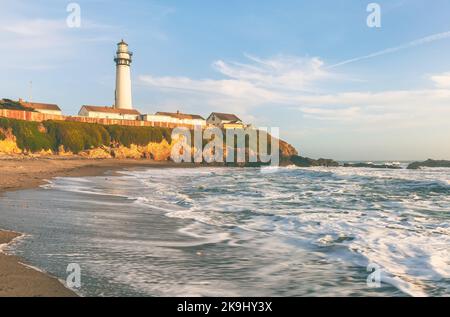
column 16, row 279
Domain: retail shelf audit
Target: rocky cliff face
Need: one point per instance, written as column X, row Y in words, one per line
column 8, row 143
column 98, row 142
column 154, row 151
column 287, row 150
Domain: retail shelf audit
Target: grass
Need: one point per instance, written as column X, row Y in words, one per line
column 138, row 135
column 78, row 136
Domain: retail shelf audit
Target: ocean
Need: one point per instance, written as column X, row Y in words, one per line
column 241, row 232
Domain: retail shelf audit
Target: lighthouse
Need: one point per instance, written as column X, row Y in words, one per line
column 123, row 61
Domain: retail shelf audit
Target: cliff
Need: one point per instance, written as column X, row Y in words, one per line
column 63, row 138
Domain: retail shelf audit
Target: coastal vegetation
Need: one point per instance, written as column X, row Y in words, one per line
column 75, row 137
column 127, row 136
column 13, row 105
column 28, row 135
column 66, row 138
column 94, row 140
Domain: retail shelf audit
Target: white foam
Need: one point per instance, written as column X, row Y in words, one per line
column 322, row 207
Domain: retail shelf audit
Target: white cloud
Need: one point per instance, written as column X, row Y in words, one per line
column 339, row 114
column 382, row 110
column 280, row 80
column 236, row 89
column 37, row 27
column 283, row 72
column 441, row 80
column 291, row 82
column 33, row 41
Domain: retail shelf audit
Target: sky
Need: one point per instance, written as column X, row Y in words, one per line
column 335, row 87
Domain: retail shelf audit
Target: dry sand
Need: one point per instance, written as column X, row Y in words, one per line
column 16, row 279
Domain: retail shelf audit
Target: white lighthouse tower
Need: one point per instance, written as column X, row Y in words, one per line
column 123, row 77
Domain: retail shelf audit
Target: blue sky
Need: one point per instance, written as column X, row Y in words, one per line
column 271, row 62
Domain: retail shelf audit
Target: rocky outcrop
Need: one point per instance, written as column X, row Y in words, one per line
column 308, row 162
column 370, row 165
column 97, row 142
column 123, row 152
column 8, row 144
column 429, row 163
column 157, row 151
column 99, row 153
column 62, row 152
column 287, row 150
column 154, row 151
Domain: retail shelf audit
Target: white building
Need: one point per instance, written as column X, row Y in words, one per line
column 123, row 97
column 175, row 118
column 45, row 108
column 225, row 121
column 109, row 113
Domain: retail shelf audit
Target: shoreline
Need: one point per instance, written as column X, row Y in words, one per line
column 27, row 173
column 17, row 279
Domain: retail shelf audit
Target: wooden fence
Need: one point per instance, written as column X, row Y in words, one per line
column 39, row 117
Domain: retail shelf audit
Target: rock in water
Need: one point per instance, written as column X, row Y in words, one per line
column 429, row 163
column 308, row 162
column 368, row 165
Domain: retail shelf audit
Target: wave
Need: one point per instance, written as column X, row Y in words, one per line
column 396, row 219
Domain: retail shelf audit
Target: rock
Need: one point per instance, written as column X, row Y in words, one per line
column 429, row 163
column 123, row 152
column 62, row 152
column 287, row 150
column 99, row 153
column 9, row 147
column 370, row 165
column 308, row 162
column 44, row 153
column 8, row 144
column 327, row 162
column 157, row 151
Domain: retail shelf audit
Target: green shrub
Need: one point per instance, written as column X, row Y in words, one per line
column 126, row 135
column 77, row 136
column 28, row 135
column 13, row 105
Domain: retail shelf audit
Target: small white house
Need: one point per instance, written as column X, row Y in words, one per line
column 158, row 118
column 176, row 118
column 225, row 120
column 109, row 113
column 45, row 108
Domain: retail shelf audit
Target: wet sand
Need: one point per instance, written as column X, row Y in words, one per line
column 18, row 174
column 16, row 279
